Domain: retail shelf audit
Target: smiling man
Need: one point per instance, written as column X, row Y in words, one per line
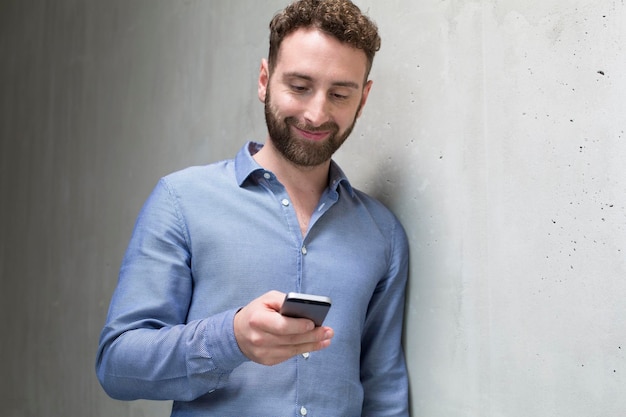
column 323, row 83
column 195, row 317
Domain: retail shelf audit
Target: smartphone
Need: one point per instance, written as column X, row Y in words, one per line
column 308, row 306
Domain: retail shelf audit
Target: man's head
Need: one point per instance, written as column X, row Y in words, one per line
column 340, row 19
column 315, row 81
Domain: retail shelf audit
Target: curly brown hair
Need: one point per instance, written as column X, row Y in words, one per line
column 341, row 19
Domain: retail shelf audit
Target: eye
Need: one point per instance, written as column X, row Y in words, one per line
column 298, row 88
column 340, row 96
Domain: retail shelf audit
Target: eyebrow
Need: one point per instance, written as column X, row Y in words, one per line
column 348, row 84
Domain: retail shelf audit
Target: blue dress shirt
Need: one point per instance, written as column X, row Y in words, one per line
column 211, row 239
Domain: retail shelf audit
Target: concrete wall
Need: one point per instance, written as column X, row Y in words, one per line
column 495, row 131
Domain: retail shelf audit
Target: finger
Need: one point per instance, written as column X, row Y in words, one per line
column 315, row 336
column 273, row 300
column 282, row 353
column 311, row 346
column 293, row 326
column 277, row 349
column 262, row 313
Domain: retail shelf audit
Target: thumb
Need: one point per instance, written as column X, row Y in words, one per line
column 273, row 300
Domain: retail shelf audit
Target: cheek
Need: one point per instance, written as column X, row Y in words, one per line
column 286, row 106
column 346, row 117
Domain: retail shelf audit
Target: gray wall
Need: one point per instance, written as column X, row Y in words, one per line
column 495, row 131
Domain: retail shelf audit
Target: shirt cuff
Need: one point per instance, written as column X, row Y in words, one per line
column 221, row 344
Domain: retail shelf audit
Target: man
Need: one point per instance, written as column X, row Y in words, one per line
column 195, row 317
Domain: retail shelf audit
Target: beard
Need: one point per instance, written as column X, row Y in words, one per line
column 299, row 151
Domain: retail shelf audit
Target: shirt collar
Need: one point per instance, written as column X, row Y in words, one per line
column 246, row 167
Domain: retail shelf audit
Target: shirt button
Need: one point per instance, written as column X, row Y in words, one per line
column 285, row 202
column 303, row 250
column 306, row 355
column 267, row 175
column 303, row 411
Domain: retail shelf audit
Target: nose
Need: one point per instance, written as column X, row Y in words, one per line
column 317, row 110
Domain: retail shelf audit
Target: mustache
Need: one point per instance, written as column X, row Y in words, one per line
column 325, row 127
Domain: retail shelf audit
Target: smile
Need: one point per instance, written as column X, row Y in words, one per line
column 312, row 135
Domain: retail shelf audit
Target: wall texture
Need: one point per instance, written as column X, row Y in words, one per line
column 495, row 130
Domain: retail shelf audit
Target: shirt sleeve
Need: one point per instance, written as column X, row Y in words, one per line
column 383, row 369
column 147, row 349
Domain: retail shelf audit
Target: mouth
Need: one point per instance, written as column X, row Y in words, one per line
column 316, row 135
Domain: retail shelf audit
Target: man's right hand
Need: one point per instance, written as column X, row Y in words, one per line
column 267, row 337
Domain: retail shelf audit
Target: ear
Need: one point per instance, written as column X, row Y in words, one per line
column 366, row 92
column 264, row 79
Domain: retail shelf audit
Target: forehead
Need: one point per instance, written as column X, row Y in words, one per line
column 321, row 57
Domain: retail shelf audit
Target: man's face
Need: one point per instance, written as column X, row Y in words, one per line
column 313, row 97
